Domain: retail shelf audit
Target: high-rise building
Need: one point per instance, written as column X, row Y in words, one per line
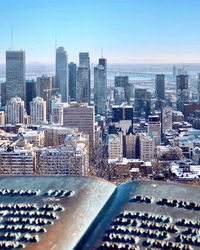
column 198, row 87
column 123, row 82
column 146, row 147
column 44, row 90
column 38, row 111
column 30, row 93
column 15, row 74
column 14, row 111
column 84, row 59
column 154, row 129
column 142, row 102
column 182, row 93
column 119, row 95
column 62, row 74
column 174, row 72
column 3, row 94
column 115, row 146
column 166, row 118
column 72, row 81
column 81, row 116
column 160, row 87
column 160, row 90
column 83, row 78
column 57, row 113
column 100, row 86
column 122, row 112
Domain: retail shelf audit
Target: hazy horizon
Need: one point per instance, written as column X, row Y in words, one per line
column 129, row 31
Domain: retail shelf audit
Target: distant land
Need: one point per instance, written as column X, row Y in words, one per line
column 37, row 68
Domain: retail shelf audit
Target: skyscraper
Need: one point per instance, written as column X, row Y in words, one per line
column 30, row 93
column 160, row 90
column 62, row 74
column 80, row 116
column 38, row 111
column 174, row 72
column 14, row 111
column 83, row 78
column 123, row 82
column 142, row 102
column 182, row 93
column 154, row 128
column 166, row 118
column 43, row 89
column 72, row 81
column 100, row 86
column 198, row 87
column 160, row 87
column 15, row 74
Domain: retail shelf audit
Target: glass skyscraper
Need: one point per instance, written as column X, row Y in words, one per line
column 62, row 74
column 15, row 74
column 83, row 78
column 72, row 81
column 100, row 86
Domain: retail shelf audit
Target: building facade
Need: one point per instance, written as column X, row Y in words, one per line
column 83, row 78
column 123, row 82
column 72, row 81
column 15, row 75
column 38, row 111
column 14, row 111
column 100, row 87
column 62, row 73
column 81, row 116
column 182, row 93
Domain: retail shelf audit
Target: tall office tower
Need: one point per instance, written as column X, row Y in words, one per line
column 154, row 129
column 15, row 74
column 166, row 118
column 30, row 93
column 100, row 87
column 182, row 93
column 14, row 111
column 122, row 112
column 160, row 87
column 123, row 82
column 81, row 116
column 160, row 90
column 142, row 102
column 198, row 87
column 72, row 81
column 62, row 74
column 38, row 111
column 84, row 59
column 83, row 78
column 44, row 90
column 119, row 95
column 174, row 72
column 3, row 94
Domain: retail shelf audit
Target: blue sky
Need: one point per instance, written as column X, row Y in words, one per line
column 129, row 31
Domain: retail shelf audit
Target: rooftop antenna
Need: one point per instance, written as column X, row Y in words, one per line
column 11, row 37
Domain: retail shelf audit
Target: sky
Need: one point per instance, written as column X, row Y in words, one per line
column 128, row 31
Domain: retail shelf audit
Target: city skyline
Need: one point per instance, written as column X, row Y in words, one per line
column 139, row 31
